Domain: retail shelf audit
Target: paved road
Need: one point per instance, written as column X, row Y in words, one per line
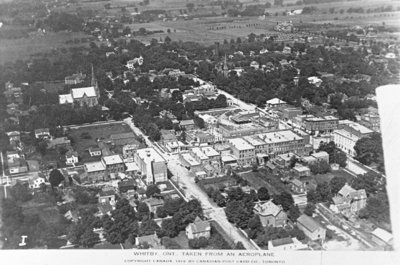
column 186, row 182
column 192, row 190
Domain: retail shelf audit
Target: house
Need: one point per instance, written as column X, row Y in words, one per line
column 107, row 197
column 104, row 209
column 168, row 136
column 95, row 171
column 255, row 65
column 17, row 165
column 286, row 243
column 187, row 125
column 321, row 156
column 36, row 182
column 297, row 186
column 301, row 170
column 94, row 151
column 198, row 228
column 14, row 137
column 275, row 102
column 311, row 228
column 75, row 79
column 349, row 199
column 72, row 216
column 43, row 133
column 287, row 50
column 270, row 214
column 314, row 81
column 151, row 240
column 71, row 158
column 113, row 163
column 127, row 185
column 153, row 204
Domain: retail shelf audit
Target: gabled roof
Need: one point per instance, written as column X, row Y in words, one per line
column 346, row 190
column 309, row 223
column 65, row 99
column 267, row 208
column 42, row 130
column 152, row 240
column 200, row 226
column 80, row 92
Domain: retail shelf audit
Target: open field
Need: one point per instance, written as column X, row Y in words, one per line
column 22, row 48
column 85, row 137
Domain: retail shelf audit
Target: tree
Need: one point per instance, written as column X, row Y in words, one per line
column 151, row 190
column 263, row 194
column 55, row 178
column 310, row 208
column 254, row 223
column 171, row 230
column 337, row 183
column 294, row 213
column 160, row 212
column 324, row 192
column 41, row 147
column 285, row 199
column 369, row 181
column 319, row 167
column 142, row 211
column 239, row 245
column 89, row 238
column 369, row 150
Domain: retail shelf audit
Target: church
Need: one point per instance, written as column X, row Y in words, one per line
column 83, row 96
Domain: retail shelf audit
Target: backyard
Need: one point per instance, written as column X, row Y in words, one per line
column 86, row 136
column 263, row 178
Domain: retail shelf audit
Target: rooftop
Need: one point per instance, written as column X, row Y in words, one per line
column 309, row 223
column 320, row 154
column 279, row 136
column 281, row 241
column 267, row 208
column 81, row 92
column 240, row 144
column 149, row 154
column 200, row 226
column 275, row 101
column 209, row 151
column 186, row 122
column 254, row 141
column 112, row 159
column 95, row 166
column 197, row 151
column 190, row 159
column 65, row 98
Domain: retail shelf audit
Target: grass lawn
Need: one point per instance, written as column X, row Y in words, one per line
column 85, row 137
column 216, row 183
column 263, row 178
column 320, row 178
column 182, row 240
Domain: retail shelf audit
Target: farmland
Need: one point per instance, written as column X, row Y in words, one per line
column 23, row 48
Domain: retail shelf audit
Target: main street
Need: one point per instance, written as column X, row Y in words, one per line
column 192, row 190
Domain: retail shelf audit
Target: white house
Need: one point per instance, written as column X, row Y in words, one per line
column 36, row 182
column 71, row 158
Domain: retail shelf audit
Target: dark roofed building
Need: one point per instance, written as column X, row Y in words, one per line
column 311, row 228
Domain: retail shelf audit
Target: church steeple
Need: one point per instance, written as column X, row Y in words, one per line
column 93, row 83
